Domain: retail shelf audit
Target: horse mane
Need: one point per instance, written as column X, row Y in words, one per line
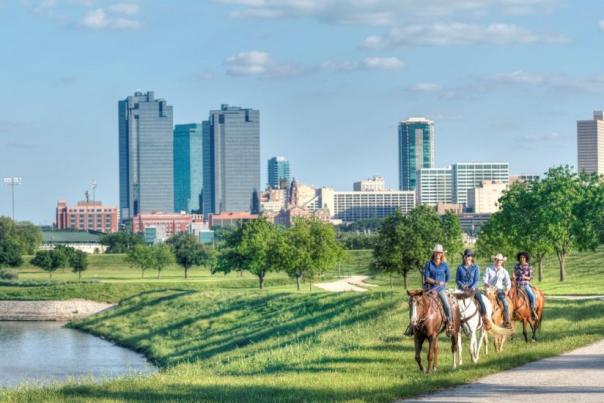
column 415, row 293
column 464, row 294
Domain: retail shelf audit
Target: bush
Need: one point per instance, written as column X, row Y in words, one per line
column 9, row 274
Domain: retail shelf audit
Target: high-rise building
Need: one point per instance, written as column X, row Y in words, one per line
column 415, row 150
column 434, row 185
column 373, row 184
column 188, row 167
column 358, row 205
column 145, row 155
column 469, row 175
column 278, row 172
column 590, row 144
column 231, row 159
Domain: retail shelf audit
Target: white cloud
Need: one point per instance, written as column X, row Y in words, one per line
column 124, row 8
column 259, row 64
column 99, row 19
column 369, row 63
column 425, row 88
column 381, row 12
column 458, row 34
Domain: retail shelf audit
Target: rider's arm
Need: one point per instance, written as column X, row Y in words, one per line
column 476, row 279
column 458, row 279
column 427, row 278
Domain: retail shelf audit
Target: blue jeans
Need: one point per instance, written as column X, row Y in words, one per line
column 504, row 301
column 531, row 295
column 478, row 297
column 445, row 301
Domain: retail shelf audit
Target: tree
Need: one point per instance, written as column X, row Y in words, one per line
column 162, row 257
column 121, row 242
column 29, row 236
column 325, row 250
column 49, row 261
column 293, row 251
column 494, row 238
column 250, row 248
column 64, row 254
column 79, row 262
column 141, row 257
column 189, row 252
column 10, row 246
column 452, row 239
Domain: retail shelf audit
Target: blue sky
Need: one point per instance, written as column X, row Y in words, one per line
column 504, row 80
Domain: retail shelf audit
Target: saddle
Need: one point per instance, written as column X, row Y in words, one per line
column 452, row 297
column 521, row 294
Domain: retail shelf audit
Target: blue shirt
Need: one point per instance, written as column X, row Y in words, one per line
column 467, row 276
column 438, row 273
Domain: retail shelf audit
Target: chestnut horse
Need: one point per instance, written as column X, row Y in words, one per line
column 497, row 317
column 522, row 309
column 428, row 320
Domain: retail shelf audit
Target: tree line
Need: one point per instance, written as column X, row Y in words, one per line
column 559, row 214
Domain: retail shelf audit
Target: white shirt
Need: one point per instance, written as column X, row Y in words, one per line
column 499, row 279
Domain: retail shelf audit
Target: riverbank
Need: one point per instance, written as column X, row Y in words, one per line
column 62, row 311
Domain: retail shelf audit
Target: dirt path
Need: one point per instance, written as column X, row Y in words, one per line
column 352, row 283
column 577, row 376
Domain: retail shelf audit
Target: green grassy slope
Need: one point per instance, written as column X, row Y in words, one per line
column 282, row 346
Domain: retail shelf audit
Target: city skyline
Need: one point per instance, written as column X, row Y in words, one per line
column 489, row 75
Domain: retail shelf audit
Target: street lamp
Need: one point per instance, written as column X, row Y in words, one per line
column 12, row 182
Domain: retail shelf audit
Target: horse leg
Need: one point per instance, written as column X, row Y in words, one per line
column 524, row 330
column 485, row 340
column 473, row 344
column 430, row 354
column 459, row 347
column 454, row 350
column 419, row 341
column 435, row 365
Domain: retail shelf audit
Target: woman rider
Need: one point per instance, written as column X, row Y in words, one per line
column 497, row 277
column 436, row 275
column 468, row 279
column 523, row 274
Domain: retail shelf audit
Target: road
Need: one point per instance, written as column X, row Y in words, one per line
column 575, row 376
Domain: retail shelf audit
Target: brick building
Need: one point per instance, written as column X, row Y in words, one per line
column 86, row 216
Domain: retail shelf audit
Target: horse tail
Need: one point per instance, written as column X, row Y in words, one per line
column 499, row 331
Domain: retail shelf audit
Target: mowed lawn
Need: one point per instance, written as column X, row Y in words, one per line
column 252, row 346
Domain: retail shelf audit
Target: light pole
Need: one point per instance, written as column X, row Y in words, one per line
column 12, row 182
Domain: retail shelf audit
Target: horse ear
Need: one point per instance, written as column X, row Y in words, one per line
column 409, row 293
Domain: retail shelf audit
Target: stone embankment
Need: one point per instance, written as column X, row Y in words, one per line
column 50, row 310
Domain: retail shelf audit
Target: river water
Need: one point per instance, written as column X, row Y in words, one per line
column 45, row 352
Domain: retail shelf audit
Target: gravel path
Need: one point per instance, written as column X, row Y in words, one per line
column 51, row 310
column 352, row 283
column 577, row 376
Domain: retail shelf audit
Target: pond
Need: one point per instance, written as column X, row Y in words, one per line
column 45, row 352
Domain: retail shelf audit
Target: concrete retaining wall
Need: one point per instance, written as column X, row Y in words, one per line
column 51, row 310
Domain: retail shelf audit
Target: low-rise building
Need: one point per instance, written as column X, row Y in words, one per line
column 86, row 216
column 158, row 227
column 352, row 206
column 485, row 198
column 373, row 184
column 230, row 219
column 471, row 223
column 89, row 242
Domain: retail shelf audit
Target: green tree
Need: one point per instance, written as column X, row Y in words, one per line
column 121, row 242
column 10, row 246
column 388, row 252
column 325, row 250
column 141, row 257
column 79, row 262
column 494, row 238
column 250, row 248
column 162, row 257
column 49, row 261
column 292, row 249
column 189, row 252
column 452, row 238
column 29, row 237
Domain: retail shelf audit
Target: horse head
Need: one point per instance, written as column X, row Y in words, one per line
column 416, row 303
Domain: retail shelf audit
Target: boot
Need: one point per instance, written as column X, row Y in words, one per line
column 533, row 314
column 486, row 323
column 409, row 331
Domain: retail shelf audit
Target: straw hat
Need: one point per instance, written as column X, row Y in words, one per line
column 438, row 248
column 499, row 256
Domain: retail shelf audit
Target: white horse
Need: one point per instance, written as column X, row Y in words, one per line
column 471, row 324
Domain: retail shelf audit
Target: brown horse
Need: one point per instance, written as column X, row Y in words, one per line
column 522, row 309
column 497, row 317
column 428, row 320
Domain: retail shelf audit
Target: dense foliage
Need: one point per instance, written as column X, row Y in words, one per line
column 17, row 239
column 121, row 242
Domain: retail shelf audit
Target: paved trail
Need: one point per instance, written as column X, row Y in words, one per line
column 577, row 376
column 352, row 283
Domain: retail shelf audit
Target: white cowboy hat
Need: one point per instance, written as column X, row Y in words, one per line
column 499, row 256
column 438, row 248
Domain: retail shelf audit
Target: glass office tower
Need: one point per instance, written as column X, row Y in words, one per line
column 188, row 168
column 415, row 150
column 278, row 171
column 145, row 155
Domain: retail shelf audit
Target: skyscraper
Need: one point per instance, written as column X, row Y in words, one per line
column 415, row 150
column 590, row 144
column 434, row 185
column 469, row 175
column 278, row 170
column 231, row 159
column 188, row 168
column 145, row 155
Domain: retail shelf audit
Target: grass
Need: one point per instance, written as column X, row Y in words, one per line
column 281, row 346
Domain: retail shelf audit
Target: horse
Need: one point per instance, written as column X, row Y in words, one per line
column 522, row 309
column 472, row 325
column 497, row 318
column 427, row 320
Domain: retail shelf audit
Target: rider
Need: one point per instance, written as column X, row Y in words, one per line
column 436, row 275
column 468, row 278
column 497, row 276
column 523, row 274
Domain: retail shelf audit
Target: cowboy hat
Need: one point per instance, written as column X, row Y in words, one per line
column 468, row 253
column 438, row 248
column 499, row 256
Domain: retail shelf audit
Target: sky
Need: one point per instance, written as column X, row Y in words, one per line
column 503, row 80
